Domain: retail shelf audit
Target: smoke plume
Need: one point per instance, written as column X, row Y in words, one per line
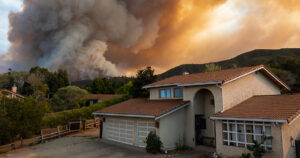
column 92, row 38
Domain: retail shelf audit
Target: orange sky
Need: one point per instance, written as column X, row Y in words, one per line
column 194, row 31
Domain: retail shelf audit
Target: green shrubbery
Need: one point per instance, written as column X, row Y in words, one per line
column 63, row 117
column 153, row 143
column 20, row 118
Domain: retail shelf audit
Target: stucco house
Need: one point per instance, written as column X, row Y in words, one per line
column 227, row 109
column 11, row 93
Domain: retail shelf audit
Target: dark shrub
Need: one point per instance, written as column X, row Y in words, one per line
column 153, row 142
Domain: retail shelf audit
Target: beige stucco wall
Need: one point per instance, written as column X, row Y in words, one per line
column 233, row 151
column 288, row 131
column 172, row 129
column 154, row 93
column 253, row 84
column 188, row 95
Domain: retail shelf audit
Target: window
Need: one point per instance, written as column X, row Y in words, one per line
column 165, row 93
column 178, row 92
column 242, row 134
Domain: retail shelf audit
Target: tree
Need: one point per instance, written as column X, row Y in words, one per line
column 69, row 97
column 101, row 86
column 20, row 118
column 54, row 80
column 143, row 78
column 125, row 89
column 37, row 84
column 212, row 67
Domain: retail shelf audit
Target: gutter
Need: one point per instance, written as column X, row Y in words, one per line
column 200, row 84
column 183, row 85
column 174, row 110
column 248, row 119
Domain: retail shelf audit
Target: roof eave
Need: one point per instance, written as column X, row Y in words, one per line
column 200, row 84
column 122, row 115
column 260, row 68
column 172, row 111
column 184, row 85
column 161, row 85
column 248, row 119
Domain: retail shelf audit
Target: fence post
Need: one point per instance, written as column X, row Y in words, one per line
column 42, row 139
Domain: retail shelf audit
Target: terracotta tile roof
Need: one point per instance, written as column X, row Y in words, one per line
column 274, row 107
column 144, row 107
column 102, row 96
column 220, row 76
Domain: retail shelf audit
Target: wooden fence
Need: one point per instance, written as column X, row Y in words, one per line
column 50, row 133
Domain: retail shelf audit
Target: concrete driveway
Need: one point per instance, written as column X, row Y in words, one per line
column 89, row 146
column 78, row 147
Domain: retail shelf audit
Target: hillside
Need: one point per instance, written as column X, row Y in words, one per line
column 283, row 62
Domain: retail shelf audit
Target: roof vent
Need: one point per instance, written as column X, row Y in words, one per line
column 185, row 73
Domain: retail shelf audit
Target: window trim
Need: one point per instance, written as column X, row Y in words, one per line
column 245, row 133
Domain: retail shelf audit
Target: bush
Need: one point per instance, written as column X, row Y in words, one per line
column 257, row 149
column 63, row 117
column 246, row 155
column 153, row 142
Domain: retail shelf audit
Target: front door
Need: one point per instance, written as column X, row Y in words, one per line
column 200, row 124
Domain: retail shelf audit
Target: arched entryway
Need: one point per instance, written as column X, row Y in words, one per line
column 204, row 107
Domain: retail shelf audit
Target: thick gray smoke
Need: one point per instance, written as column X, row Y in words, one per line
column 75, row 34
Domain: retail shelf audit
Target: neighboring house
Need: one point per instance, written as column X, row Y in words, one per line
column 11, row 93
column 97, row 98
column 226, row 109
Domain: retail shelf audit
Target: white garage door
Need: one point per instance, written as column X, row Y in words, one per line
column 143, row 129
column 120, row 130
column 128, row 131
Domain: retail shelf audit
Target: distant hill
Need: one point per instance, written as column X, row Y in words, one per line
column 283, row 62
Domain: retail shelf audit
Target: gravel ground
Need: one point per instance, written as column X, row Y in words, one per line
column 87, row 145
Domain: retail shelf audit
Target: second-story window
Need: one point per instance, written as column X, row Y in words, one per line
column 165, row 93
column 178, row 92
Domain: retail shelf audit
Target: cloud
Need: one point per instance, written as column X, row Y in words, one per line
column 116, row 37
column 6, row 6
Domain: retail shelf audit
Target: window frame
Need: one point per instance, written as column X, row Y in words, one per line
column 166, row 94
column 181, row 96
column 236, row 141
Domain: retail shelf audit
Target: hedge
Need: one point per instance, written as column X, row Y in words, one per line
column 63, row 117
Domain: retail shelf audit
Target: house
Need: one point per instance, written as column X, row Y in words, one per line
column 226, row 109
column 11, row 93
column 97, row 98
